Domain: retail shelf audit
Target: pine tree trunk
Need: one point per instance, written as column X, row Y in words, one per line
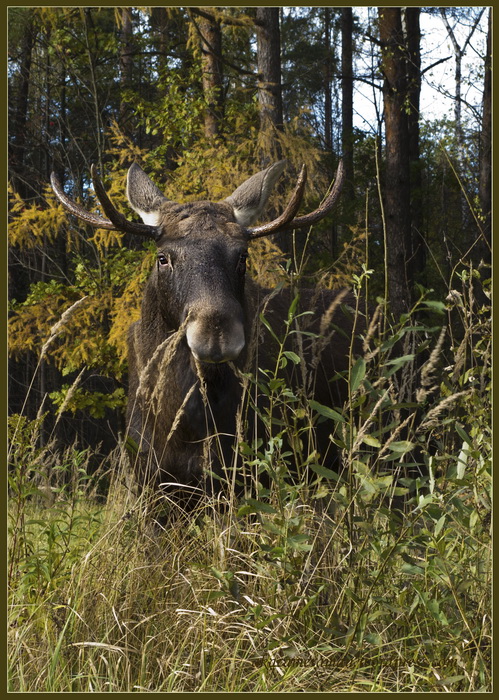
column 269, row 68
column 485, row 191
column 347, row 100
column 126, row 64
column 211, row 48
column 396, row 186
column 18, row 138
column 417, row 253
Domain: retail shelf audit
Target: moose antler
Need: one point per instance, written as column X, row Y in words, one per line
column 327, row 204
column 288, row 223
column 287, row 215
column 116, row 221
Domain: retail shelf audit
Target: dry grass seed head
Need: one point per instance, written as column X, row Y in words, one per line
column 58, row 327
column 393, row 437
column 408, row 374
column 433, row 419
column 428, row 383
column 460, row 356
column 429, row 367
column 394, row 394
column 363, row 430
column 69, row 394
column 370, row 333
column 180, row 413
column 159, row 361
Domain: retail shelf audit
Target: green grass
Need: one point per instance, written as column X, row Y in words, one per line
column 206, row 606
column 331, row 581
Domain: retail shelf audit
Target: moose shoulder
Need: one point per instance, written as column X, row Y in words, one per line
column 198, row 327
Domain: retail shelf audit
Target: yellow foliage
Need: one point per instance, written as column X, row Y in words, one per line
column 349, row 261
column 193, row 43
column 104, row 239
column 30, row 326
column 83, row 341
column 295, row 144
column 123, row 150
column 267, row 262
column 126, row 309
column 212, row 169
column 33, row 225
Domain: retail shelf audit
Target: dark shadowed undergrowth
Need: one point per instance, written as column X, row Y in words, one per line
column 368, row 572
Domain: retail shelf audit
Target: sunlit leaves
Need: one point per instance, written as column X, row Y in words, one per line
column 33, row 225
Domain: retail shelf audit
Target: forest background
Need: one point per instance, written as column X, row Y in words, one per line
column 116, row 85
column 201, row 98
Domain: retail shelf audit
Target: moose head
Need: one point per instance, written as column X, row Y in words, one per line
column 202, row 250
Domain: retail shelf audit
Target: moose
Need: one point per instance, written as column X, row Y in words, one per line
column 199, row 332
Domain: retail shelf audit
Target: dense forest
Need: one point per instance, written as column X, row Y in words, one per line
column 202, row 98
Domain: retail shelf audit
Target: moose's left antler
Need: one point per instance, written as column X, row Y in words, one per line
column 286, row 222
column 287, row 215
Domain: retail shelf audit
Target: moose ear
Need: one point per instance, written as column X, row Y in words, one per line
column 144, row 197
column 250, row 198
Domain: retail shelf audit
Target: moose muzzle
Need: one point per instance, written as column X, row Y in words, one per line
column 215, row 336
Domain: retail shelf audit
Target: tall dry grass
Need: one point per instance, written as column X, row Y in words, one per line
column 374, row 576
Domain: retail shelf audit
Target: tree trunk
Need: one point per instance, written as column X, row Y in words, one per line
column 126, row 65
column 328, row 107
column 159, row 23
column 211, row 48
column 485, row 192
column 396, row 188
column 458, row 55
column 347, row 105
column 18, row 138
column 417, row 252
column 269, row 70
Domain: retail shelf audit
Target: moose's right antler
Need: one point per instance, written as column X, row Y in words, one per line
column 116, row 221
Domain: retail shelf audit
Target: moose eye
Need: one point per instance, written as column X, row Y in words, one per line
column 163, row 260
column 241, row 264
